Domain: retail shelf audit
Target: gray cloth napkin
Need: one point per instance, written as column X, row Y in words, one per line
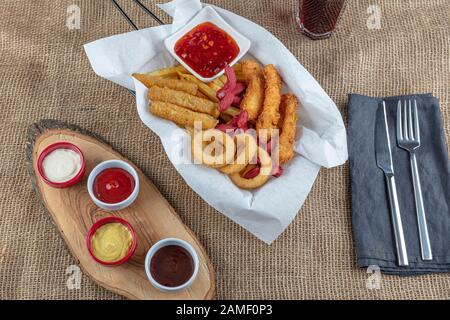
column 371, row 218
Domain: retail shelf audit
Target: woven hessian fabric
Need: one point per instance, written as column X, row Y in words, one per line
column 45, row 74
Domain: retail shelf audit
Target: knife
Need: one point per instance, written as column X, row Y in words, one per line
column 383, row 155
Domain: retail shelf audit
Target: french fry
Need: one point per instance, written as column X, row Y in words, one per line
column 170, row 76
column 184, row 99
column 232, row 111
column 203, row 87
column 239, row 77
column 175, row 84
column 180, row 115
column 216, row 85
column 225, row 117
column 201, row 95
column 223, row 78
column 168, row 71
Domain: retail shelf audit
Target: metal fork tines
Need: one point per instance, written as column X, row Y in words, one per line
column 408, row 138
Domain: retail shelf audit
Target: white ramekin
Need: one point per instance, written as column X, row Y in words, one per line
column 169, row 242
column 113, row 164
column 207, row 14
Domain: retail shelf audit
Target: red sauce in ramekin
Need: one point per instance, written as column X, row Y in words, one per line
column 113, row 185
column 207, row 49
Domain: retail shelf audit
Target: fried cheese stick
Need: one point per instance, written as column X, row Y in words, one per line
column 184, row 99
column 268, row 118
column 175, row 84
column 180, row 115
column 254, row 95
column 287, row 125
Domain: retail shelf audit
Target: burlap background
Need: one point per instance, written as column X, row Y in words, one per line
column 45, row 74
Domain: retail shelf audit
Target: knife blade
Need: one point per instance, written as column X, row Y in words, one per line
column 383, row 154
column 383, row 150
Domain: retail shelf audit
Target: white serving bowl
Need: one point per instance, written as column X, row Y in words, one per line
column 207, row 14
column 113, row 164
column 169, row 242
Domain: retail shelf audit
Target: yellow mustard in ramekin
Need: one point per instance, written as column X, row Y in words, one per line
column 111, row 242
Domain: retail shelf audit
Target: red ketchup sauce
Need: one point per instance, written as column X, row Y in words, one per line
column 113, row 185
column 207, row 49
column 172, row 266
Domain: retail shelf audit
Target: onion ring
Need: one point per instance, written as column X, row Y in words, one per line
column 222, row 142
column 260, row 179
column 246, row 149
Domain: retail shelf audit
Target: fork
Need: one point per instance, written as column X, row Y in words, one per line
column 408, row 138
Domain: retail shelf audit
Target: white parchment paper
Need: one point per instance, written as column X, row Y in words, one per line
column 321, row 141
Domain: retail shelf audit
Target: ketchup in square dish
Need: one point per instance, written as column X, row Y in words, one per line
column 207, row 49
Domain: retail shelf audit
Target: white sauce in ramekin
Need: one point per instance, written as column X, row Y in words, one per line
column 61, row 165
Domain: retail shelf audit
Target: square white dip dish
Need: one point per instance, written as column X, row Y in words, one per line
column 207, row 14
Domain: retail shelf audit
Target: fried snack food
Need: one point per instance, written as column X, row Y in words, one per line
column 213, row 148
column 237, row 67
column 232, row 111
column 254, row 95
column 168, row 71
column 261, row 178
column 216, row 84
column 203, row 87
column 201, row 95
column 287, row 125
column 223, row 78
column 268, row 119
column 180, row 115
column 174, row 84
column 246, row 149
column 249, row 68
column 184, row 99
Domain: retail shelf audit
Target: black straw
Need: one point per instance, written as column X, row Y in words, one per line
column 146, row 10
column 124, row 14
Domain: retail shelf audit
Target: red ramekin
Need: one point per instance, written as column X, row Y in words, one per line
column 102, row 222
column 53, row 147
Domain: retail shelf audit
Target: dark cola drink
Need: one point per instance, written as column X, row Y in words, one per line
column 317, row 18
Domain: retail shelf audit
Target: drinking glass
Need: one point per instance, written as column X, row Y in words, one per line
column 317, row 18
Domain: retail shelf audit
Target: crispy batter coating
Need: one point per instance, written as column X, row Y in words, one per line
column 175, row 84
column 180, row 115
column 184, row 99
column 287, row 124
column 262, row 177
column 246, row 149
column 268, row 119
column 249, row 68
column 254, row 95
column 213, row 148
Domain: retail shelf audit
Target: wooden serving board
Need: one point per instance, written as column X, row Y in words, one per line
column 151, row 216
